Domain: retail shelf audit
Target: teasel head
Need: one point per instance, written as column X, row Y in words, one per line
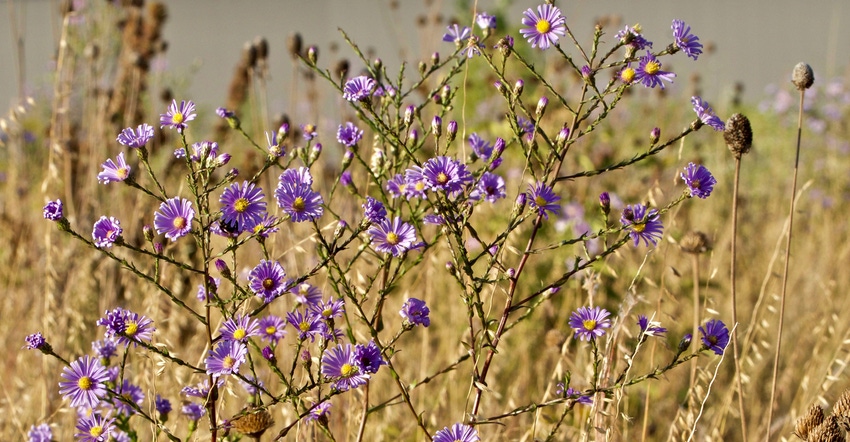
column 738, row 135
column 827, row 431
column 806, row 423
column 803, row 76
column 695, row 242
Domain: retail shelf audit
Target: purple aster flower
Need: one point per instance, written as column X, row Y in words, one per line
column 394, row 237
column 305, row 293
column 223, row 112
column 200, row 390
column 267, row 280
column 589, row 323
column 53, row 210
column 319, row 412
column 40, row 433
column 684, row 40
column 457, row 433
column 374, row 210
column 715, row 336
column 84, row 382
column 268, row 354
column 129, row 393
column 297, row 176
column 136, row 138
column 348, row 134
column 239, row 328
column 490, row 187
column 481, row 147
column 473, row 48
column 308, row 325
column 299, row 201
column 193, row 411
column 545, row 26
column 176, row 116
column 415, row 185
column 699, row 180
column 525, row 126
column 202, row 295
column 415, row 312
column 174, row 218
column 485, row 21
column 329, row 309
column 434, row 219
column 242, row 205
column 707, row 115
column 632, row 36
column 368, row 357
column 114, row 171
column 340, row 364
column 35, row 341
column 359, row 88
column 573, row 394
column 395, row 186
column 456, row 34
column 649, row 72
column 272, row 329
column 445, row 174
column 122, row 325
column 105, row 348
column 94, row 428
column 267, row 225
column 226, row 358
column 543, row 199
column 650, row 328
column 106, row 231
column 309, row 131
column 642, row 224
column 163, row 405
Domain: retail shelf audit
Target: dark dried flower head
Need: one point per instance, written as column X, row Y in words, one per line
column 828, row 431
column 294, row 45
column 806, row 423
column 841, row 409
column 695, row 242
column 738, row 135
column 803, row 77
column 253, row 423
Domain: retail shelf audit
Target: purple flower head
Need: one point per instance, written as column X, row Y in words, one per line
column 106, row 231
column 359, row 88
column 268, row 354
column 95, row 428
column 200, row 390
column 348, row 134
column 163, row 405
column 715, row 336
column 40, row 433
column 243, row 205
column 319, row 412
column 456, row 34
column 684, row 40
column 472, row 48
column 127, row 392
column 340, row 365
column 543, row 199
column 272, row 329
column 632, row 36
column 415, row 312
column 545, row 26
column 239, row 328
column 457, row 433
column 105, row 348
column 394, row 237
column 490, row 187
column 707, row 115
column 434, row 219
column 125, row 326
column 193, row 411
column 374, row 210
column 480, row 146
column 368, row 357
column 573, row 393
column 174, row 218
column 395, row 185
column 177, row 116
column 223, row 112
column 699, row 180
column 267, row 280
column 84, row 382
column 650, row 328
column 329, row 309
column 136, row 138
column 525, row 126
column 226, row 358
column 445, row 174
column 299, row 201
column 485, row 21
column 309, row 131
column 345, row 178
column 642, row 224
column 305, row 293
column 589, row 323
column 35, row 341
column 309, row 325
column 53, row 210
column 415, row 184
column 297, row 176
column 266, row 226
column 202, row 295
column 649, row 72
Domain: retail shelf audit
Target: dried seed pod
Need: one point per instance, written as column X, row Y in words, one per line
column 803, row 77
column 806, row 423
column 294, row 44
column 253, row 424
column 695, row 242
column 827, row 431
column 841, row 410
column 738, row 135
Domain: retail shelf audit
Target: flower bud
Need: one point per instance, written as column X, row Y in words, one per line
column 519, row 205
column 157, row 248
column 409, row 115
column 562, row 137
column 147, row 232
column 654, row 135
column 446, row 94
column 435, row 58
column 222, row 159
column 422, row 68
column 685, row 343
column 738, row 135
column 605, row 203
column 222, row 268
column 313, row 55
column 518, row 86
column 451, row 131
column 541, row 107
column 378, row 64
column 282, row 132
column 500, row 87
column 437, row 126
column 498, row 148
column 347, row 157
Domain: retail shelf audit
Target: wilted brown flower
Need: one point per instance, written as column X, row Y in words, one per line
column 738, row 135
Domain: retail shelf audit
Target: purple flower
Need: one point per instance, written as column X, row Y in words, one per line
column 299, row 201
column 631, row 36
column 267, row 280
column 319, row 411
column 330, row 309
column 415, row 185
column 684, row 40
column 129, row 393
column 266, row 226
column 485, row 21
column 374, row 210
column 642, row 224
column 545, row 27
column 308, row 325
column 305, row 293
column 105, row 348
column 368, row 357
column 201, row 390
column 242, row 205
column 340, row 364
column 473, row 48
column 480, row 146
column 84, row 382
column 699, row 180
column 53, row 210
column 395, row 186
column 573, row 394
column 106, row 231
column 136, row 138
column 272, row 328
column 456, row 34
column 309, row 131
column 543, row 199
column 348, row 134
column 394, row 237
column 94, row 428
column 202, row 295
column 253, row 385
column 193, row 411
column 649, row 72
column 707, row 115
column 589, row 323
column 359, row 88
column 123, row 325
column 525, row 126
column 650, row 328
column 226, row 358
column 490, row 187
column 35, row 341
column 715, row 336
column 345, row 178
column 239, row 328
column 176, row 116
column 415, row 312
column 116, row 171
column 297, row 176
column 163, row 405
column 458, row 433
column 40, row 433
column 434, row 219
column 445, row 174
column 174, row 218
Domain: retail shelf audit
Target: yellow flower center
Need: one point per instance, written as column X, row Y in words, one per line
column 652, row 67
column 96, row 431
column 177, row 118
column 239, row 334
column 589, row 324
column 268, row 283
column 132, row 329
column 85, row 383
column 299, row 204
column 259, row 228
column 540, row 201
column 304, row 326
column 347, row 370
column 240, row 205
column 392, row 238
column 638, row 227
column 228, row 362
column 179, row 222
column 442, row 178
column 327, row 312
column 638, row 28
column 122, row 173
column 627, row 75
column 420, row 186
column 270, row 330
column 543, row 26
column 401, row 188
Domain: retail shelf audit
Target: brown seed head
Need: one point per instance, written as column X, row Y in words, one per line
column 827, row 431
column 803, row 77
column 841, row 410
column 806, row 423
column 738, row 135
column 695, row 242
column 253, row 424
column 294, row 44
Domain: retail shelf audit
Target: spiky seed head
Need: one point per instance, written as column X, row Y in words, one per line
column 253, row 423
column 827, row 431
column 803, row 77
column 695, row 242
column 738, row 135
column 841, row 410
column 806, row 423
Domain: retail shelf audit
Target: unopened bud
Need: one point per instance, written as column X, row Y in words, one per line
column 518, row 86
column 347, row 157
column 378, row 64
column 450, row 267
column 451, row 131
column 282, row 132
column 422, row 68
column 313, row 55
column 500, row 87
column 435, row 58
column 498, row 148
column 605, row 203
column 157, row 248
column 562, row 137
column 685, row 343
column 409, row 115
column 519, row 205
column 222, row 159
column 446, row 94
column 437, row 126
column 654, row 135
column 340, row 227
column 541, row 107
column 147, row 232
column 222, row 268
